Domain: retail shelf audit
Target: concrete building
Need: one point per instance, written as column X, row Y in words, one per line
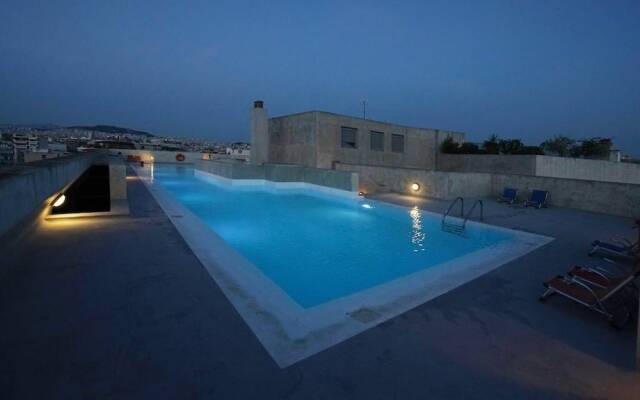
column 23, row 144
column 322, row 139
column 230, row 151
column 32, row 156
column 6, row 152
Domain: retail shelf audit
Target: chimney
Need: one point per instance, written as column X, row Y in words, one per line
column 259, row 134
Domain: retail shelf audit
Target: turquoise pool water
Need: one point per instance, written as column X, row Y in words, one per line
column 318, row 247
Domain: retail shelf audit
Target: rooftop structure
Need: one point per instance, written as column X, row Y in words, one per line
column 322, row 139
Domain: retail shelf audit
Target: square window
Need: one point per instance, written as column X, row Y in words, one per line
column 397, row 143
column 377, row 141
column 349, row 138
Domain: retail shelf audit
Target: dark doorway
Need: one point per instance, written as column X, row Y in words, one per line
column 89, row 193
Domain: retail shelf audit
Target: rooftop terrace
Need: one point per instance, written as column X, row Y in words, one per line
column 121, row 308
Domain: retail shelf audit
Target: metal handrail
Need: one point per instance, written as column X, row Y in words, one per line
column 471, row 211
column 453, row 203
column 465, row 217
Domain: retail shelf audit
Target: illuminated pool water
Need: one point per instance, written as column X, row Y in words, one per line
column 318, row 247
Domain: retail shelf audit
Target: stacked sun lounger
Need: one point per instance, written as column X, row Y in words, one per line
column 624, row 248
column 594, row 287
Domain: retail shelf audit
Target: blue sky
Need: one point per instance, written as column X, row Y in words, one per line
column 521, row 69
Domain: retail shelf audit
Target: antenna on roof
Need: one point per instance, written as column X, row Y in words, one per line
column 364, row 108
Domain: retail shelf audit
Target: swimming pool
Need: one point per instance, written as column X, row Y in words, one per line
column 316, row 259
column 319, row 247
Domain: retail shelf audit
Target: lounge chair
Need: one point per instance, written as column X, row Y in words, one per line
column 624, row 248
column 538, row 199
column 598, row 276
column 592, row 289
column 509, row 196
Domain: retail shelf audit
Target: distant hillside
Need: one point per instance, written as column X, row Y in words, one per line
column 40, row 127
column 112, row 129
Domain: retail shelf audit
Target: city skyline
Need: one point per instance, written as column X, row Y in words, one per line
column 526, row 70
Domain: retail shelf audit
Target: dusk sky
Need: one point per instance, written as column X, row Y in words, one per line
column 520, row 69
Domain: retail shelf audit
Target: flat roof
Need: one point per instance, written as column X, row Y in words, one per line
column 74, row 311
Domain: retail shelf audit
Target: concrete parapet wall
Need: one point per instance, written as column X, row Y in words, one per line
column 158, row 156
column 488, row 163
column 117, row 179
column 542, row 166
column 225, row 157
column 604, row 197
column 281, row 173
column 591, row 170
column 436, row 184
column 231, row 170
column 25, row 189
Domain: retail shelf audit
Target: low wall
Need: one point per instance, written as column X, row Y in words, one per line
column 25, row 189
column 222, row 157
column 436, row 184
column 231, row 170
column 603, row 197
column 488, row 163
column 117, row 179
column 591, row 170
column 163, row 156
column 542, row 166
column 158, row 156
column 281, row 173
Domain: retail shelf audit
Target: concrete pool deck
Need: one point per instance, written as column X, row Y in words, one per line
column 287, row 330
column 121, row 308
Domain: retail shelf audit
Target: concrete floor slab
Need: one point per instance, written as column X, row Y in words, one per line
column 120, row 308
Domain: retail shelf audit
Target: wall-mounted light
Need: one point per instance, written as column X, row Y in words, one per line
column 360, row 193
column 59, row 200
column 415, row 186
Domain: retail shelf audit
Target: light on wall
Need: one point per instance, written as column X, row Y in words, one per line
column 59, row 200
column 415, row 186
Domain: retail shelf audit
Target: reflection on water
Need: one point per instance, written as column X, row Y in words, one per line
column 417, row 235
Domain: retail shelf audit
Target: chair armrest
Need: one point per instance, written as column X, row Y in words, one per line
column 623, row 269
column 623, row 241
column 604, row 274
column 585, row 286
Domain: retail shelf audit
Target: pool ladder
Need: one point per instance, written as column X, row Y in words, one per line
column 457, row 228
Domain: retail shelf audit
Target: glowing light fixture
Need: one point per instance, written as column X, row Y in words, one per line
column 366, row 206
column 59, row 200
column 415, row 187
column 360, row 193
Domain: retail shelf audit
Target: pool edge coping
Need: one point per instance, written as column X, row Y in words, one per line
column 291, row 333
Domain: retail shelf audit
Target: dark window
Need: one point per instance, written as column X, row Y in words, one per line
column 397, row 143
column 349, row 138
column 377, row 141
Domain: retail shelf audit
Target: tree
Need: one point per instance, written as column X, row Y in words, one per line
column 469, row 148
column 561, row 145
column 449, row 146
column 595, row 147
column 491, row 146
column 537, row 150
column 510, row 146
